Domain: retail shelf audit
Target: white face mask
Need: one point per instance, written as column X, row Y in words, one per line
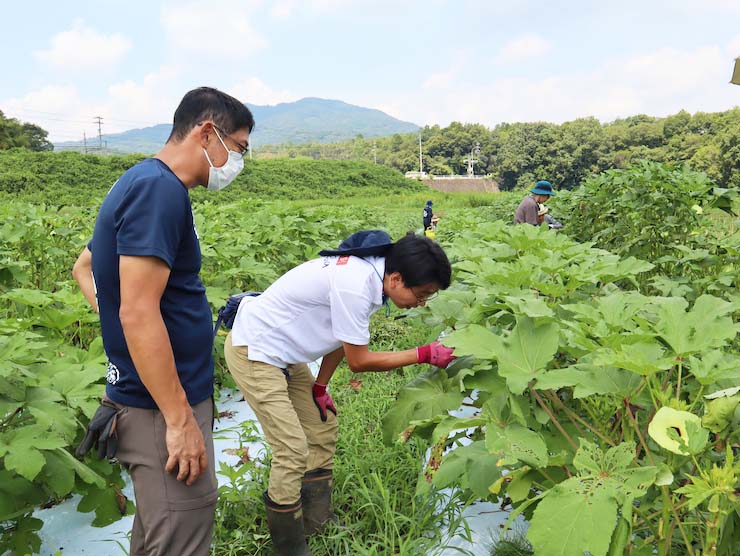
column 218, row 178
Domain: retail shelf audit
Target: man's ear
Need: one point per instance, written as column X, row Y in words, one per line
column 201, row 133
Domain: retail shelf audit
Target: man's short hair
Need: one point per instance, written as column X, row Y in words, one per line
column 207, row 103
column 420, row 261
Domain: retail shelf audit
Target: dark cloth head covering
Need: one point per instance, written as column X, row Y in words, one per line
column 365, row 243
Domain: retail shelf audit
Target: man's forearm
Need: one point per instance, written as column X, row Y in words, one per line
column 382, row 360
column 149, row 345
column 82, row 273
column 85, row 282
column 329, row 364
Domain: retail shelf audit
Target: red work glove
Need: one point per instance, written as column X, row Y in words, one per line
column 323, row 400
column 435, row 354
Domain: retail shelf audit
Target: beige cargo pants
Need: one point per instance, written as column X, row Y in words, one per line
column 300, row 441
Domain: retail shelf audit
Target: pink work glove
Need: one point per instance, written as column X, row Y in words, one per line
column 323, row 400
column 435, row 354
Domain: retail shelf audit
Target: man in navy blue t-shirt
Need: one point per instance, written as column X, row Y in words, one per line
column 140, row 271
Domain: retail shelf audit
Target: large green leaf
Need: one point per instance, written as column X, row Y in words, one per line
column 17, row 495
column 707, row 325
column 106, row 503
column 643, row 358
column 84, row 472
column 470, row 467
column 525, row 352
column 58, row 474
column 34, row 298
column 473, row 340
column 425, row 397
column 24, row 447
column 588, row 380
column 516, row 443
column 715, row 365
column 569, row 522
column 578, row 516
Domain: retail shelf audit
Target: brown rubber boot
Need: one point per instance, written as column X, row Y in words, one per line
column 285, row 522
column 316, row 500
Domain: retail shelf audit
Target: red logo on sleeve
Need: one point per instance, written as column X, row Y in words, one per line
column 344, row 259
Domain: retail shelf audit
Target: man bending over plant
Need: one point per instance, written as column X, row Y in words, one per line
column 323, row 308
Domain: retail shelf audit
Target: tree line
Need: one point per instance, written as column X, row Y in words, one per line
column 14, row 133
column 517, row 154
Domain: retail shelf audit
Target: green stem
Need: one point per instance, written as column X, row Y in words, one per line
column 713, row 535
column 668, row 507
column 652, row 395
column 555, row 421
column 678, row 382
column 575, row 416
column 6, row 424
column 697, row 397
column 546, row 476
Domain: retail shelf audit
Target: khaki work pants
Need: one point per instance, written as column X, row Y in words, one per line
column 171, row 517
column 300, row 441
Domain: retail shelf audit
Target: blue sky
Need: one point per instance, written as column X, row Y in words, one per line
column 429, row 62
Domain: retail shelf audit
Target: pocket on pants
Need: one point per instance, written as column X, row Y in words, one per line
column 180, row 505
column 204, row 491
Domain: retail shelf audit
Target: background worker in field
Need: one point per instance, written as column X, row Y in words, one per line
column 323, row 308
column 545, row 218
column 427, row 215
column 157, row 325
column 526, row 212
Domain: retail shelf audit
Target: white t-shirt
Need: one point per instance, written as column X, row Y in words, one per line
column 311, row 310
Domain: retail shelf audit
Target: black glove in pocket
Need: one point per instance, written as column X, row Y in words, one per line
column 101, row 433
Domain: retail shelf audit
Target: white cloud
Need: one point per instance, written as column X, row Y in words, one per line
column 282, row 9
column 440, row 80
column 67, row 114
column 720, row 5
column 152, row 100
column 220, row 28
column 255, row 91
column 657, row 83
column 83, row 49
column 56, row 108
column 733, row 48
column 522, row 48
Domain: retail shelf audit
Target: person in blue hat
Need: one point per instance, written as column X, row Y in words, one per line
column 322, row 308
column 527, row 211
column 428, row 215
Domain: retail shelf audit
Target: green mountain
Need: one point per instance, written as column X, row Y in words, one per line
column 308, row 119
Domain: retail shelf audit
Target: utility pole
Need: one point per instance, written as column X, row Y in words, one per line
column 99, row 121
column 84, row 142
column 421, row 160
column 472, row 160
column 375, row 152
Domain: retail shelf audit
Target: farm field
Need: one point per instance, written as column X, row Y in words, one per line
column 598, row 367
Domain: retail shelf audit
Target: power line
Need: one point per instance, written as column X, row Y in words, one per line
column 100, row 130
column 64, row 118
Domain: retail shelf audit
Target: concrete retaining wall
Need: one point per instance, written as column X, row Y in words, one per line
column 470, row 185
